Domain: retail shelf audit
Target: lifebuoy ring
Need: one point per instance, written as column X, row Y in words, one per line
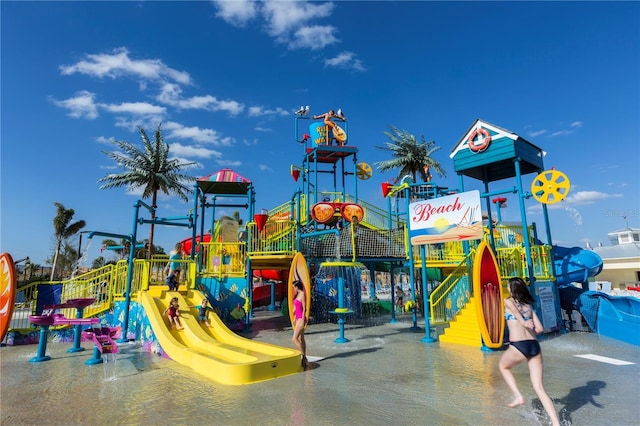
column 485, row 141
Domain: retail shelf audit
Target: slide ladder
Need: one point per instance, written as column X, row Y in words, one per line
column 464, row 329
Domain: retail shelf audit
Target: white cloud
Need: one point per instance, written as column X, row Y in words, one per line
column 287, row 22
column 119, row 64
column 259, row 111
column 229, row 163
column 576, row 124
column 314, row 37
column 237, row 13
column 533, row 134
column 588, row 197
column 264, row 168
column 132, row 123
column 210, row 136
column 345, row 60
column 193, row 151
column 283, row 17
column 561, row 133
column 104, row 140
column 82, row 105
column 135, row 108
column 262, row 129
column 171, row 94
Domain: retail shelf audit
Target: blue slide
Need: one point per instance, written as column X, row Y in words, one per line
column 575, row 264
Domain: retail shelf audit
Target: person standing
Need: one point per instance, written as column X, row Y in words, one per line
column 175, row 257
column 300, row 318
column 399, row 299
column 524, row 325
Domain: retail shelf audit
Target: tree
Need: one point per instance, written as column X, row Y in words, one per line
column 149, row 169
column 236, row 217
column 111, row 243
column 62, row 230
column 410, row 157
column 98, row 262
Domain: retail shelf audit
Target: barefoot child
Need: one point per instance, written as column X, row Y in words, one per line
column 202, row 312
column 173, row 311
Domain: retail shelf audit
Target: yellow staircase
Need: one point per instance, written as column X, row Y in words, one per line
column 464, row 329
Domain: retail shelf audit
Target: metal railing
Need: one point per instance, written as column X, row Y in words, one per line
column 442, row 307
column 106, row 284
column 218, row 258
column 276, row 238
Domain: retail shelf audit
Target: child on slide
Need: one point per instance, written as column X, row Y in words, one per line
column 173, row 312
column 202, row 312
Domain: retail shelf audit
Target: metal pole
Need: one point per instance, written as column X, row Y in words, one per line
column 427, row 327
column 127, row 295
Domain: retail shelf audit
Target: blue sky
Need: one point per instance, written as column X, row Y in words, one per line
column 225, row 79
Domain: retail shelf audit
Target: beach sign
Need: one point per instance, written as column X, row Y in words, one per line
column 454, row 217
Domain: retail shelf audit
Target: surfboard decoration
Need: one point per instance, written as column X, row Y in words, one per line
column 339, row 134
column 488, row 296
column 299, row 271
column 8, row 288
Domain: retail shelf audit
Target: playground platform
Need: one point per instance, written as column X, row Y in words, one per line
column 383, row 375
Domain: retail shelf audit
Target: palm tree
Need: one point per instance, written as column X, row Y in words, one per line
column 410, row 156
column 110, row 243
column 63, row 229
column 149, row 169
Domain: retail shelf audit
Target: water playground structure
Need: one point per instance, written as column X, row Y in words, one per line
column 457, row 257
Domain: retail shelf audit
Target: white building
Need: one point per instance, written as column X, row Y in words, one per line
column 621, row 260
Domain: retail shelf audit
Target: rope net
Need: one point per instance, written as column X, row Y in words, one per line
column 369, row 243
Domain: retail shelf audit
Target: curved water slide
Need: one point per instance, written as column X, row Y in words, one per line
column 215, row 352
column 575, row 264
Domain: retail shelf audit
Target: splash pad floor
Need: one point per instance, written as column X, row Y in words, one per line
column 383, row 375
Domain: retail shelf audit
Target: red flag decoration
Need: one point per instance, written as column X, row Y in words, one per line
column 386, row 187
column 261, row 220
column 295, row 173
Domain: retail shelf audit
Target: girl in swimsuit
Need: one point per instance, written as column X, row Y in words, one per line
column 173, row 312
column 524, row 325
column 299, row 320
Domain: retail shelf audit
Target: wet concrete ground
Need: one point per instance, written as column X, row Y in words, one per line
column 384, row 375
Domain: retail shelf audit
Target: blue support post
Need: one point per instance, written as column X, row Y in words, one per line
column 393, row 296
column 127, row 300
column 427, row 326
column 272, row 305
column 414, row 326
column 341, row 313
column 77, row 332
column 97, row 357
column 523, row 218
column 42, row 345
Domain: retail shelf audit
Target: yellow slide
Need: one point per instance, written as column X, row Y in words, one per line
column 215, row 352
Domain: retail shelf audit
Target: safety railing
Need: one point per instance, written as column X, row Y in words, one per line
column 106, row 285
column 100, row 284
column 283, row 211
column 509, row 262
column 154, row 272
column 220, row 258
column 449, row 298
column 542, row 263
column 276, row 238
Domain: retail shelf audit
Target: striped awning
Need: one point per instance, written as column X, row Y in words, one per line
column 224, row 181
